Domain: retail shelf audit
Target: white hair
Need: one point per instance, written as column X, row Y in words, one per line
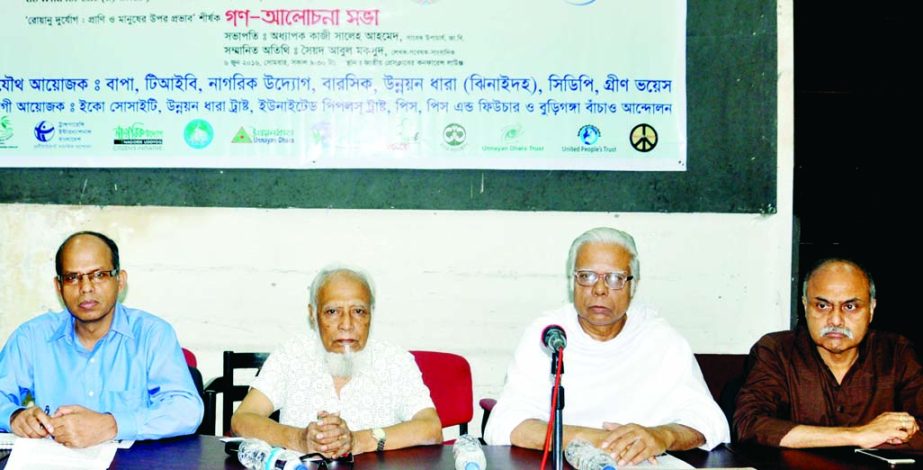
column 608, row 236
column 322, row 277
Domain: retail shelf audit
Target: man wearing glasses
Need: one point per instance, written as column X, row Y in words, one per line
column 633, row 386
column 97, row 370
column 833, row 380
column 338, row 390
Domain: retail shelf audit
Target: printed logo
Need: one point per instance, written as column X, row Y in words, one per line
column 264, row 136
column 454, row 135
column 6, row 129
column 511, row 133
column 643, row 137
column 580, row 3
column 321, row 134
column 242, row 137
column 589, row 134
column 136, row 137
column 44, row 131
column 198, row 133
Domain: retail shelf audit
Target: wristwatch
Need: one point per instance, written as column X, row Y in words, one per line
column 379, row 435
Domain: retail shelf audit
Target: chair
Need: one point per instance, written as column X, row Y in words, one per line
column 208, row 396
column 724, row 374
column 487, row 405
column 448, row 377
column 233, row 392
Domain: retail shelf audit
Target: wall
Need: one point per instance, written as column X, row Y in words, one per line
column 465, row 282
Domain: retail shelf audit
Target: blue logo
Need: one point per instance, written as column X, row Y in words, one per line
column 589, row 134
column 580, row 3
column 44, row 131
column 198, row 133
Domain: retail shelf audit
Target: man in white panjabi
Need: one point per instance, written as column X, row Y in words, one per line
column 633, row 386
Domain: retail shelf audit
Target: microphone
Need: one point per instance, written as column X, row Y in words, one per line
column 554, row 337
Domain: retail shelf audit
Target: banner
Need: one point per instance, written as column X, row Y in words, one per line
column 430, row 84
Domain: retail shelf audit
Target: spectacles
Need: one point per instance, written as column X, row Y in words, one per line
column 96, row 277
column 315, row 461
column 615, row 281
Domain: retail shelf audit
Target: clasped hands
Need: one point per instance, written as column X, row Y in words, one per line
column 892, row 427
column 329, row 436
column 71, row 425
column 630, row 443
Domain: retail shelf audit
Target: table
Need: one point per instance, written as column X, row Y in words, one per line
column 207, row 452
column 829, row 458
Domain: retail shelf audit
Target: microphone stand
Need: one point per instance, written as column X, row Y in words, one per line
column 558, row 432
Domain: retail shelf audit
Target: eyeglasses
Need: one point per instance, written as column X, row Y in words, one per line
column 96, row 277
column 615, row 281
column 315, row 461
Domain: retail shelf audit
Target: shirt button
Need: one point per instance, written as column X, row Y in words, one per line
column 90, row 393
column 93, row 360
column 840, row 409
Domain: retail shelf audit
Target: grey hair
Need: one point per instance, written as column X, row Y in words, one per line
column 824, row 262
column 322, row 277
column 609, row 236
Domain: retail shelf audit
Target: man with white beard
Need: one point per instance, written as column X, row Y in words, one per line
column 338, row 391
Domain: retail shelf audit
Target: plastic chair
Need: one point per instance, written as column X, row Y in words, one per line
column 225, row 384
column 448, row 377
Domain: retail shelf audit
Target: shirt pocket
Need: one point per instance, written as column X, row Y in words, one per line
column 129, row 400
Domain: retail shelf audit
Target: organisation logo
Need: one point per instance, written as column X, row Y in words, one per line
column 61, row 134
column 643, row 137
column 263, row 136
column 454, row 135
column 589, row 134
column 6, row 132
column 136, row 136
column 198, row 134
column 44, row 131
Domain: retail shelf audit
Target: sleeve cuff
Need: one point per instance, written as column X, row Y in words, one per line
column 126, row 425
column 6, row 411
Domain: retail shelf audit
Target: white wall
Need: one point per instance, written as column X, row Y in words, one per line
column 465, row 282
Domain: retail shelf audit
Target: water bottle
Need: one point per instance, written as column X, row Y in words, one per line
column 468, row 453
column 255, row 454
column 582, row 455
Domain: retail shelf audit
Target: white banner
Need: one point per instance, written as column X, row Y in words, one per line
column 435, row 84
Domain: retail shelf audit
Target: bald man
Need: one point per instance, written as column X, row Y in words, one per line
column 96, row 370
column 836, row 382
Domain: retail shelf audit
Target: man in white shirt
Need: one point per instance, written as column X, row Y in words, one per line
column 338, row 391
column 633, row 387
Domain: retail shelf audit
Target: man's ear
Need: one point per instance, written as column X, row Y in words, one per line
column 311, row 321
column 872, row 305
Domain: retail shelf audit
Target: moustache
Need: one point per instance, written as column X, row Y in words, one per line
column 840, row 330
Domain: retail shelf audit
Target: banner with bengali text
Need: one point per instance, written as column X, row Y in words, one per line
column 429, row 84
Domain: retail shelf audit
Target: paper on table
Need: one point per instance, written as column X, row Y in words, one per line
column 663, row 461
column 46, row 454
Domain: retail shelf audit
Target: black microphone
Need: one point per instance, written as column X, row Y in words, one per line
column 554, row 337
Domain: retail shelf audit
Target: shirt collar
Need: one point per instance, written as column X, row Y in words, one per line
column 119, row 325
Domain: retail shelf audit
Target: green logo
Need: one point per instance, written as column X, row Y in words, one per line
column 198, row 133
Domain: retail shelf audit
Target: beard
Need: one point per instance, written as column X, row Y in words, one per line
column 346, row 364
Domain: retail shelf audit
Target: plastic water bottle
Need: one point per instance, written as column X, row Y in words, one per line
column 468, row 453
column 258, row 455
column 582, row 455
